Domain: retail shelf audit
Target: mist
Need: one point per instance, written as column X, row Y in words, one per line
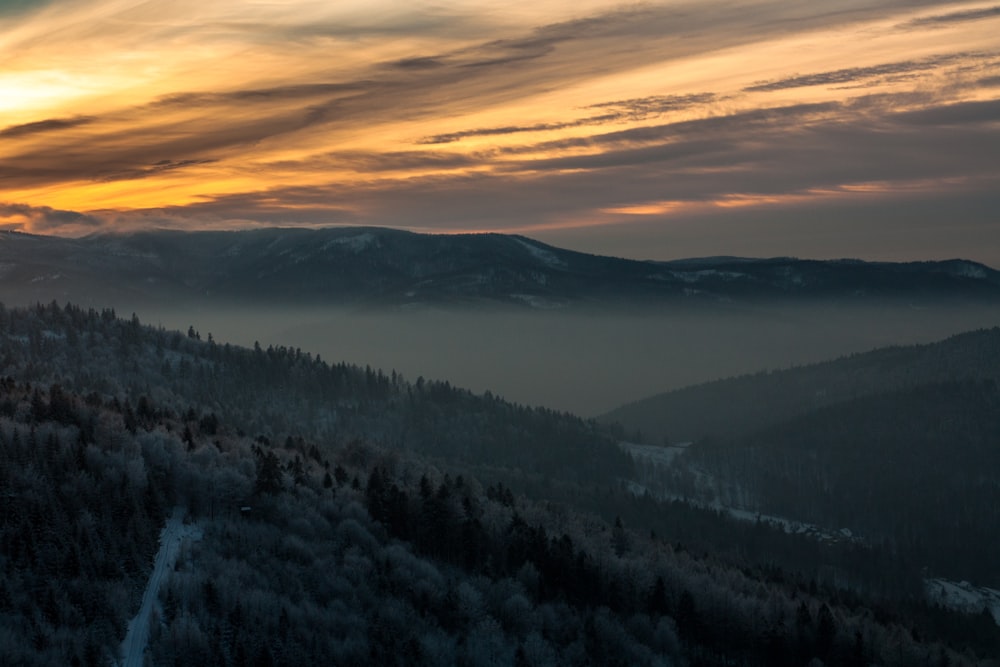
column 585, row 362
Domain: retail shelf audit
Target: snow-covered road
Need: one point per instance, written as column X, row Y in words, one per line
column 173, row 535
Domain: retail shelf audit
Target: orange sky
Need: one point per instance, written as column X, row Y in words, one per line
column 637, row 128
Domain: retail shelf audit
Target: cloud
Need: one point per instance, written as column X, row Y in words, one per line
column 634, row 109
column 375, row 163
column 941, row 20
column 643, row 107
column 291, row 92
column 452, row 137
column 43, row 219
column 41, row 126
column 760, row 155
column 962, row 113
column 741, row 121
column 765, row 153
column 152, row 170
column 333, row 113
column 853, row 74
column 418, row 63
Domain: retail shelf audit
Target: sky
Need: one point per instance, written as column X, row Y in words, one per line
column 656, row 130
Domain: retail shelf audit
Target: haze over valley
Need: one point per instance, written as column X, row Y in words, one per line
column 533, row 323
column 586, row 362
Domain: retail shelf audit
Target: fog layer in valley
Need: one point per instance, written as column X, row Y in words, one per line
column 583, row 362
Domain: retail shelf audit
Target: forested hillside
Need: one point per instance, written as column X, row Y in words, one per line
column 282, row 391
column 916, row 469
column 739, row 405
column 897, row 447
column 351, row 517
column 369, row 556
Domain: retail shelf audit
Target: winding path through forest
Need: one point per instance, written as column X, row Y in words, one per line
column 175, row 531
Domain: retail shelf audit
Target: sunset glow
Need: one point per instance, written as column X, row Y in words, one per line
column 448, row 116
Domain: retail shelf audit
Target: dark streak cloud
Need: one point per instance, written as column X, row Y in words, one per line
column 634, row 157
column 511, row 59
column 418, row 63
column 953, row 17
column 634, row 109
column 383, row 162
column 963, row 113
column 745, row 121
column 50, row 125
column 290, row 92
column 152, row 170
column 853, row 74
column 452, row 137
column 641, row 107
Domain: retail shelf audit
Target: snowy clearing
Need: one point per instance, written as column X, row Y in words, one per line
column 787, row 525
column 542, row 255
column 964, row 596
column 654, row 453
column 356, row 243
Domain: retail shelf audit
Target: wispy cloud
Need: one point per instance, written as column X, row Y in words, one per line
column 940, row 20
column 855, row 74
column 454, row 115
column 41, row 126
column 621, row 110
column 43, row 219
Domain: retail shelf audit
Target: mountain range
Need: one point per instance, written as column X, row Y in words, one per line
column 365, row 267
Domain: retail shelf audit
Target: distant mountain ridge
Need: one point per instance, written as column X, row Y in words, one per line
column 366, row 266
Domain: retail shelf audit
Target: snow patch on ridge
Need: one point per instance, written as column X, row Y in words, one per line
column 355, row 244
column 963, row 596
column 695, row 276
column 538, row 302
column 542, row 255
column 968, row 270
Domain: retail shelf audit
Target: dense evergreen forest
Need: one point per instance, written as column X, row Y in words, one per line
column 918, row 470
column 353, row 517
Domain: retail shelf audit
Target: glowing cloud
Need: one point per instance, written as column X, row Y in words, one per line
column 453, row 115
